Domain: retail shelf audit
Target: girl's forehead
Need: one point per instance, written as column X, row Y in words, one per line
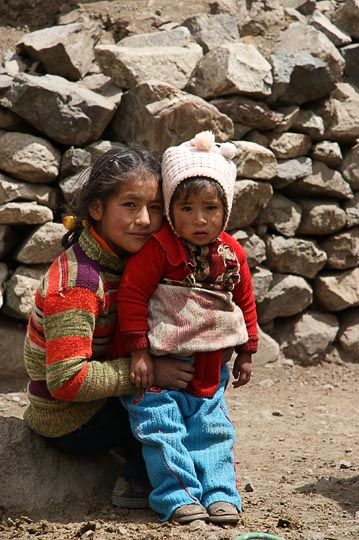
column 148, row 181
column 141, row 187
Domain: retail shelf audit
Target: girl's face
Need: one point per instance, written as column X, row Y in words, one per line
column 131, row 216
column 198, row 218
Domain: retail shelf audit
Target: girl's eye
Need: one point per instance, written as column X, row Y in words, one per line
column 212, row 207
column 129, row 204
column 185, row 209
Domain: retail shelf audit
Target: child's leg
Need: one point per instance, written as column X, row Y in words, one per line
column 157, row 422
column 210, row 441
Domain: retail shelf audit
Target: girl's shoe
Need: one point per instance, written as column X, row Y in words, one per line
column 189, row 512
column 127, row 494
column 223, row 512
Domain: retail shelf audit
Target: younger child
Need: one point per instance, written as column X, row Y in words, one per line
column 188, row 292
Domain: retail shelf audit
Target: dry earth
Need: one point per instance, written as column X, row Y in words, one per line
column 297, row 447
column 297, row 460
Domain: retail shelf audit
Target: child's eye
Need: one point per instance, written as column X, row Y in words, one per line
column 212, row 207
column 156, row 208
column 185, row 209
column 128, row 204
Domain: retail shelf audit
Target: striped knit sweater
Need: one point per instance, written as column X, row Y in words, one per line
column 68, row 333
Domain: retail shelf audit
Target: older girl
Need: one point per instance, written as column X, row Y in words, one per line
column 74, row 387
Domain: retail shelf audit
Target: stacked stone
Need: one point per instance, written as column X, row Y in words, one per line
column 68, row 95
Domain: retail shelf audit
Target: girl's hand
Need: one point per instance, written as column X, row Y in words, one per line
column 141, row 372
column 171, row 373
column 242, row 369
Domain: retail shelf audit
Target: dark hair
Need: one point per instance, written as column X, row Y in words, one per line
column 194, row 185
column 109, row 172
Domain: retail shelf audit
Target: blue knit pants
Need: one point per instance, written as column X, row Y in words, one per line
column 187, row 446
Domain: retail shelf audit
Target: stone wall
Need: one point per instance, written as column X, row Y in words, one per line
column 69, row 93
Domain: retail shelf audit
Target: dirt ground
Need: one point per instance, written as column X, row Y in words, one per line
column 297, row 428
column 297, row 463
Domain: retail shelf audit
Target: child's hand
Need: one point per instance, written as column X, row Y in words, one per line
column 242, row 369
column 141, row 371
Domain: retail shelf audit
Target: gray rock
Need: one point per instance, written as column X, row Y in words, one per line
column 289, row 170
column 42, row 246
column 268, row 352
column 289, row 145
column 254, row 114
column 307, row 337
column 290, row 114
column 85, row 480
column 20, row 294
column 339, row 112
column 13, row 190
column 253, row 246
column 305, row 38
column 282, row 214
column 235, row 68
column 337, row 291
column 78, row 115
column 73, row 161
column 351, row 209
column 309, row 123
column 28, row 157
column 129, row 66
column 261, row 279
column 287, row 296
column 342, row 249
column 174, row 37
column 348, row 335
column 158, row 115
column 350, row 167
column 299, row 78
column 323, row 181
column 14, row 213
column 64, row 50
column 294, row 255
column 323, row 24
column 321, row 217
column 249, row 199
column 211, row 31
column 346, row 17
column 103, row 85
column 254, row 161
column 330, row 153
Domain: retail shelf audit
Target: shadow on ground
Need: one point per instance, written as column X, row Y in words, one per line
column 344, row 491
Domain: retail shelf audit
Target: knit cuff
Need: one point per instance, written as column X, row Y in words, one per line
column 250, row 346
column 134, row 341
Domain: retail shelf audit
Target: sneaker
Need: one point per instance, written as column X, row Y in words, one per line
column 130, row 494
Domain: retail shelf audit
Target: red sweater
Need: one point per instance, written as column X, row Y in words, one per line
column 164, row 256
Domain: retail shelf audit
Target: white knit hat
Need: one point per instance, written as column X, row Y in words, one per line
column 200, row 156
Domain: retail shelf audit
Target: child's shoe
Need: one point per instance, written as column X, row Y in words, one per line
column 189, row 512
column 223, row 512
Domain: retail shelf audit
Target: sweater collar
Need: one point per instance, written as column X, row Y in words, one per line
column 97, row 250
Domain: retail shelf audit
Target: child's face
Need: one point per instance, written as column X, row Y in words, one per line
column 198, row 218
column 130, row 216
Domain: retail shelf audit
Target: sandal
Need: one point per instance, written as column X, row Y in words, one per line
column 189, row 512
column 223, row 512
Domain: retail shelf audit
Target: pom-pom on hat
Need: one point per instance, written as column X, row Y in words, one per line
column 200, row 156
